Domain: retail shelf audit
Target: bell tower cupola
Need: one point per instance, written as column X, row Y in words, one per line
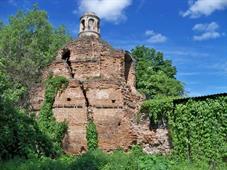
column 89, row 25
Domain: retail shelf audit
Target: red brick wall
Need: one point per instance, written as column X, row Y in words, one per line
column 101, row 80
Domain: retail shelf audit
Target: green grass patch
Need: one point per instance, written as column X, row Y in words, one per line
column 118, row 160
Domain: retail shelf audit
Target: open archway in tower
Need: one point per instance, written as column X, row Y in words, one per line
column 91, row 23
column 83, row 25
column 98, row 26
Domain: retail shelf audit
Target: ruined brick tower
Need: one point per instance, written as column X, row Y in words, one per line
column 89, row 25
column 101, row 85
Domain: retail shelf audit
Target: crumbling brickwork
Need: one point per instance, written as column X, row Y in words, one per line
column 101, row 83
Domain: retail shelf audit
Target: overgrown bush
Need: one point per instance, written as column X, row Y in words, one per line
column 197, row 128
column 92, row 136
column 91, row 160
column 158, row 109
column 20, row 134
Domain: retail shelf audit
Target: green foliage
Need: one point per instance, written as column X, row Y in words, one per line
column 120, row 161
column 20, row 134
column 158, row 109
column 197, row 128
column 43, row 163
column 92, row 136
column 47, row 123
column 28, row 44
column 155, row 76
column 98, row 160
column 9, row 94
column 91, row 160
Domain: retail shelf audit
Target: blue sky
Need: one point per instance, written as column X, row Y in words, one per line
column 192, row 33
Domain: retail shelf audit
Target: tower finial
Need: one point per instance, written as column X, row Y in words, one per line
column 89, row 25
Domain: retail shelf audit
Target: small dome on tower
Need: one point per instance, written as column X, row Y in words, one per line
column 89, row 25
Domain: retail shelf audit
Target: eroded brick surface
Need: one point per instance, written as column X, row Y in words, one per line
column 101, row 82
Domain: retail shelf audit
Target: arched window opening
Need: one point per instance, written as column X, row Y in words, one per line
column 98, row 26
column 91, row 23
column 83, row 25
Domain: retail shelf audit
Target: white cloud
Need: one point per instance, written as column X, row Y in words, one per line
column 206, row 36
column 110, row 10
column 199, row 8
column 155, row 37
column 207, row 31
column 206, row 27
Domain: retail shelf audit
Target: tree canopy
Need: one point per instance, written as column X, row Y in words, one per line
column 155, row 76
column 28, row 44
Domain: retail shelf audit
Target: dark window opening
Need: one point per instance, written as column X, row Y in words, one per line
column 119, row 124
column 113, row 101
column 98, row 25
column 66, row 56
column 128, row 63
column 68, row 99
column 83, row 24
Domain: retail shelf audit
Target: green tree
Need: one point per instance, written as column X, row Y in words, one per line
column 28, row 44
column 20, row 134
column 155, row 76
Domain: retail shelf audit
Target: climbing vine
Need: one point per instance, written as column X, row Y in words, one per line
column 47, row 123
column 92, row 136
column 198, row 129
column 158, row 109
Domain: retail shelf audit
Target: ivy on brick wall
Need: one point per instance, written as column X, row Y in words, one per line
column 47, row 123
column 92, row 136
column 198, row 129
column 157, row 109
